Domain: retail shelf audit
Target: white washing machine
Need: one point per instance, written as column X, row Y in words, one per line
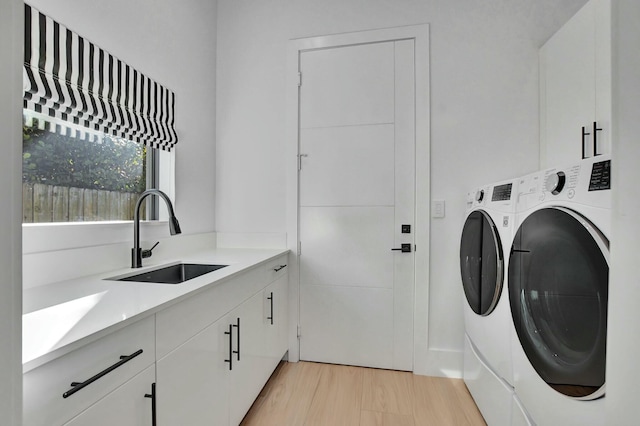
column 484, row 253
column 558, row 292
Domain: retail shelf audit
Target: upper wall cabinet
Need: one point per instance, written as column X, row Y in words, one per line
column 575, row 88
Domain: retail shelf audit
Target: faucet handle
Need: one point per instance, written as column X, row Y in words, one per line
column 148, row 253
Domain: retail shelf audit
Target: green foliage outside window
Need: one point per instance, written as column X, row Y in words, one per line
column 110, row 164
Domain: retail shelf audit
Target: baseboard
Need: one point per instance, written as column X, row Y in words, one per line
column 440, row 363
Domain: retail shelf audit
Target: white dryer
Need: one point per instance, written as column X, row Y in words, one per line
column 558, row 292
column 484, row 252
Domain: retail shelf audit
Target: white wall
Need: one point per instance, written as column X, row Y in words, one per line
column 174, row 43
column 11, row 13
column 484, row 112
column 623, row 342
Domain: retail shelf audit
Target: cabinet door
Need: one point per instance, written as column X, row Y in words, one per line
column 276, row 315
column 250, row 364
column 193, row 380
column 575, row 87
column 567, row 89
column 125, row 406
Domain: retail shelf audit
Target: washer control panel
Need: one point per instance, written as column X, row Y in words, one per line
column 501, row 192
column 555, row 182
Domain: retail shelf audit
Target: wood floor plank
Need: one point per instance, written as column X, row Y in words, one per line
column 307, row 393
column 375, row 418
column 387, row 391
column 437, row 403
column 338, row 397
column 467, row 404
column 289, row 396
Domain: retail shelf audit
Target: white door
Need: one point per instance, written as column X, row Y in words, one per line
column 357, row 189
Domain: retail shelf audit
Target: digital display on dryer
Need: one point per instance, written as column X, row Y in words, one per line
column 600, row 176
column 501, row 192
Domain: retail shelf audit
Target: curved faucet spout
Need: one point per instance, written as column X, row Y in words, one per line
column 137, row 254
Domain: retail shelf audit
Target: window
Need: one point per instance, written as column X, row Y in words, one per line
column 71, row 174
column 97, row 132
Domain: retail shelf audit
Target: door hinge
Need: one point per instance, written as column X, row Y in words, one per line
column 299, row 248
column 299, row 79
column 298, row 332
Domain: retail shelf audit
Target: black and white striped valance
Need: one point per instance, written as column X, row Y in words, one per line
column 70, row 78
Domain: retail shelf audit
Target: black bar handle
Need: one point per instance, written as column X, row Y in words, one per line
column 584, row 142
column 238, row 327
column 405, row 248
column 279, row 268
column 595, row 138
column 76, row 386
column 270, row 298
column 152, row 395
column 230, row 360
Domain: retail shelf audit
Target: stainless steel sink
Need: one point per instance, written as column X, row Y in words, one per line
column 173, row 274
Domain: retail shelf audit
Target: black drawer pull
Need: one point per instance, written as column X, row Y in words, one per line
column 596, row 129
column 279, row 268
column 76, row 386
column 237, row 325
column 152, row 395
column 270, row 299
column 230, row 334
column 584, row 137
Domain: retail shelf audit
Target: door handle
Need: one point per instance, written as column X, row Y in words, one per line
column 404, row 248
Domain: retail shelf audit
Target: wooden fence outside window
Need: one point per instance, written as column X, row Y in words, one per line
column 47, row 203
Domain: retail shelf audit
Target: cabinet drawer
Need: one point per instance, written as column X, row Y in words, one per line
column 277, row 268
column 126, row 406
column 49, row 398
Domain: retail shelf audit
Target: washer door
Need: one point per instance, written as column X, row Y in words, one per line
column 481, row 262
column 558, row 289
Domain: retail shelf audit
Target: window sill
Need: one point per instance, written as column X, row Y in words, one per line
column 45, row 237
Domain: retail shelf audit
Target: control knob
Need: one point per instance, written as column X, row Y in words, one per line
column 480, row 195
column 555, row 182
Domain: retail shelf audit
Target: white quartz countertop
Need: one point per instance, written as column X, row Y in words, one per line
column 61, row 317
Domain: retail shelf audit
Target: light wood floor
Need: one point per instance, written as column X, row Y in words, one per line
column 306, row 393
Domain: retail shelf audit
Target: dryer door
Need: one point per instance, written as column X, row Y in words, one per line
column 481, row 262
column 558, row 288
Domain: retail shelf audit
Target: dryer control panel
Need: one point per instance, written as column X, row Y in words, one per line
column 600, row 176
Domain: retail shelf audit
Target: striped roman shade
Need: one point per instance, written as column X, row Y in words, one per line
column 70, row 78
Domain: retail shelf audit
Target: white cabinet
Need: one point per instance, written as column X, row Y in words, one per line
column 276, row 318
column 247, row 376
column 193, row 380
column 201, row 361
column 129, row 405
column 575, row 88
column 214, row 377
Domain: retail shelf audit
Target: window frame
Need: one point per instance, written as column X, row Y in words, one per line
column 53, row 236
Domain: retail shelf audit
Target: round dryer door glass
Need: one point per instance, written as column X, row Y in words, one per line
column 481, row 262
column 558, row 289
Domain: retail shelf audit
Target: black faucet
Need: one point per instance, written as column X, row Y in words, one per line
column 137, row 254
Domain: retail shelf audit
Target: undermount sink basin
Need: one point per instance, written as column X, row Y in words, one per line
column 173, row 274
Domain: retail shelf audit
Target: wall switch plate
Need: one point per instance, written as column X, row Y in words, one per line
column 437, row 208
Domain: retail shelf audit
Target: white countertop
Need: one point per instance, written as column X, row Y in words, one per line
column 61, row 317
